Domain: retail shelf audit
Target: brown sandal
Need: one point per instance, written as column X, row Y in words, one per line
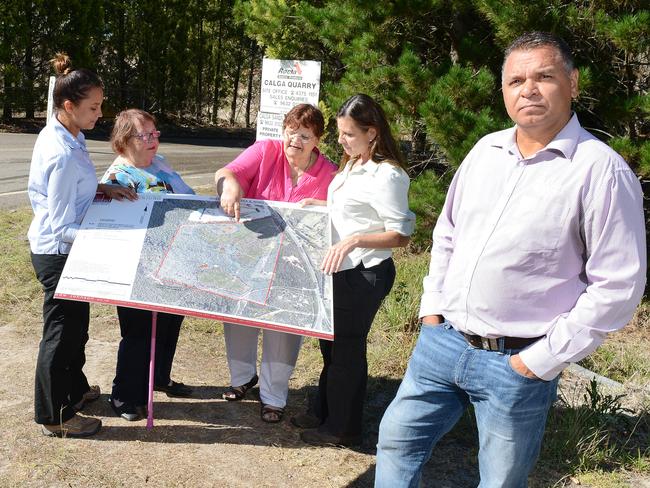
column 271, row 414
column 236, row 393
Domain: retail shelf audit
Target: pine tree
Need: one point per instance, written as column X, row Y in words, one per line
column 435, row 66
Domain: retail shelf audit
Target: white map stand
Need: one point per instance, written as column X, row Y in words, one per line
column 181, row 254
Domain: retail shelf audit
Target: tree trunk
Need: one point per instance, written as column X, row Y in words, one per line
column 7, row 112
column 233, row 104
column 217, row 73
column 250, row 83
column 121, row 56
column 199, row 67
column 28, row 65
column 5, row 61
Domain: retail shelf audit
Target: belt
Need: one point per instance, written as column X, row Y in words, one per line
column 499, row 343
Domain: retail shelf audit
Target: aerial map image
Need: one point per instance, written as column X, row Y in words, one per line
column 182, row 254
column 262, row 270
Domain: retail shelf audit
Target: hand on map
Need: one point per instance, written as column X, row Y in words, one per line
column 230, row 203
column 117, row 192
column 312, row 201
column 336, row 254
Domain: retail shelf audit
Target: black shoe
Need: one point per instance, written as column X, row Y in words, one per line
column 142, row 411
column 318, row 438
column 127, row 411
column 305, row 421
column 175, row 389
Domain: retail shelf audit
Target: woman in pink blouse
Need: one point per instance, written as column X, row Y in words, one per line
column 287, row 170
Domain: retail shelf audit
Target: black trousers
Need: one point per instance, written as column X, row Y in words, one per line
column 60, row 380
column 358, row 293
column 131, row 383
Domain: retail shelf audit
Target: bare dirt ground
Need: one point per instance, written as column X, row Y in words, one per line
column 199, row 442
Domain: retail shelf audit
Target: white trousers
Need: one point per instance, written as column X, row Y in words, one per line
column 279, row 355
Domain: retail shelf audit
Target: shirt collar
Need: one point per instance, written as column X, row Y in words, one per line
column 369, row 167
column 567, row 139
column 71, row 141
column 564, row 141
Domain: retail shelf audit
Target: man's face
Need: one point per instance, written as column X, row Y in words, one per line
column 537, row 90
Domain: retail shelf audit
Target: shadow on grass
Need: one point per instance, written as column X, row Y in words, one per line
column 598, row 435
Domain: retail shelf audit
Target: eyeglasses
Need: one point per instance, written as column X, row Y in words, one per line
column 303, row 138
column 148, row 136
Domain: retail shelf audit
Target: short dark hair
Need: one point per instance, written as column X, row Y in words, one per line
column 72, row 84
column 306, row 115
column 367, row 113
column 536, row 39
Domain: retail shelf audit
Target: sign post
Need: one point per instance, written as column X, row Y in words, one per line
column 50, row 98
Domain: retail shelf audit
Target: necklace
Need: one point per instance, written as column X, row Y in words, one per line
column 296, row 172
column 312, row 160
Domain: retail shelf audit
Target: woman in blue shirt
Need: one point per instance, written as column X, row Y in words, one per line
column 137, row 166
column 62, row 185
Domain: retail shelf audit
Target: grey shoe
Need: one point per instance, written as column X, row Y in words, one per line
column 77, row 426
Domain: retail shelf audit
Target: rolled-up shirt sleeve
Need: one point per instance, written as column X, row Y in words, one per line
column 391, row 201
column 614, row 235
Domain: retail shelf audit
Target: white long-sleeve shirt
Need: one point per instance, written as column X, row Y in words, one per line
column 551, row 245
column 62, row 185
column 367, row 199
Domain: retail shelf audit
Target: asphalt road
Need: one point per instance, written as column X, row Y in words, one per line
column 195, row 160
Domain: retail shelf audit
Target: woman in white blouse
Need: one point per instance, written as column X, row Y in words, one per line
column 368, row 202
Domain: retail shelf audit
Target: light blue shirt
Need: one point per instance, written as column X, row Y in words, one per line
column 158, row 177
column 62, row 185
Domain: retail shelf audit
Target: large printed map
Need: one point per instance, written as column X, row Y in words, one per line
column 181, row 254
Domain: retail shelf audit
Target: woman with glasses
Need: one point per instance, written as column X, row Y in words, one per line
column 368, row 204
column 139, row 167
column 287, row 170
column 62, row 185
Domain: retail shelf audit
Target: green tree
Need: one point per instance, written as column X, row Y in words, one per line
column 435, row 65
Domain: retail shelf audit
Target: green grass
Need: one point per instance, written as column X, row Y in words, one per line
column 596, row 433
column 627, row 357
column 20, row 293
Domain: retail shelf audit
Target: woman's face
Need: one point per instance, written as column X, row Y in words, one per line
column 355, row 140
column 299, row 143
column 142, row 147
column 85, row 114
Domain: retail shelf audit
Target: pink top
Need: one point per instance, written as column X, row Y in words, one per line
column 263, row 172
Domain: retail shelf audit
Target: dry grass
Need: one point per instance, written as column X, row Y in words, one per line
column 205, row 441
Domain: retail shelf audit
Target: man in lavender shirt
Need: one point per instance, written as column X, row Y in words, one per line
column 538, row 253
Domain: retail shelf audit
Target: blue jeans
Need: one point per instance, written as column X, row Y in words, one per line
column 445, row 374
